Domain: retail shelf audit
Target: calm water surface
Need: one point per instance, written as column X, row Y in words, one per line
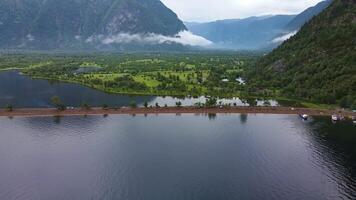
column 22, row 91
column 169, row 157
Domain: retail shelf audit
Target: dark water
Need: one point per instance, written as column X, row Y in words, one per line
column 22, row 91
column 170, row 157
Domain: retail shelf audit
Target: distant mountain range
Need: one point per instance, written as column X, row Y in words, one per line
column 263, row 32
column 62, row 24
column 318, row 63
column 249, row 33
column 132, row 24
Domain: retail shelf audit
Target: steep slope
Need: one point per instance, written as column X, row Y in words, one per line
column 50, row 24
column 14, row 20
column 249, row 33
column 307, row 15
column 319, row 62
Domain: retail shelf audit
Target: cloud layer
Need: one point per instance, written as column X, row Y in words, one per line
column 284, row 37
column 185, row 38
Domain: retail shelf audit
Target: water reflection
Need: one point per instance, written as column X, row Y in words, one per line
column 22, row 91
column 59, row 126
column 335, row 143
column 177, row 157
column 57, row 119
column 243, row 118
column 212, row 116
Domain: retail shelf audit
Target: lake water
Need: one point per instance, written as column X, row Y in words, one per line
column 22, row 91
column 170, row 157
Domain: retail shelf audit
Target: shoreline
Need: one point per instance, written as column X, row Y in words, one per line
column 109, row 91
column 43, row 112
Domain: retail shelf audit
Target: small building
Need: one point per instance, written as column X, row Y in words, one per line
column 241, row 81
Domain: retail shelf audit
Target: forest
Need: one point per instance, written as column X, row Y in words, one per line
column 318, row 64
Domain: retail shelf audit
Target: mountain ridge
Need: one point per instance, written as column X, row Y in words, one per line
column 307, row 15
column 252, row 33
column 52, row 24
column 249, row 33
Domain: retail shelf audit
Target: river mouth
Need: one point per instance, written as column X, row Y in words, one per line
column 23, row 92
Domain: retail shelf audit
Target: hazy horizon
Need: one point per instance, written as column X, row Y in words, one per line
column 212, row 10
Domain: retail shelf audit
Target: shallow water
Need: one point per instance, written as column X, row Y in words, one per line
column 174, row 157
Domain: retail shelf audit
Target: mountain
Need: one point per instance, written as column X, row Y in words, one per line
column 307, row 15
column 318, row 63
column 294, row 25
column 265, row 32
column 54, row 24
column 249, row 33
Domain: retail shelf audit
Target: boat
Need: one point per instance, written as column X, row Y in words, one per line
column 334, row 118
column 337, row 118
column 304, row 116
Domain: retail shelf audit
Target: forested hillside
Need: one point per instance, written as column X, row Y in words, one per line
column 72, row 24
column 317, row 64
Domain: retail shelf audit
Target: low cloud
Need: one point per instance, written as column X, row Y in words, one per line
column 30, row 37
column 284, row 37
column 185, row 38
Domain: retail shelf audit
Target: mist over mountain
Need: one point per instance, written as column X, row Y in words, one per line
column 252, row 33
column 293, row 26
column 134, row 24
column 82, row 24
column 249, row 33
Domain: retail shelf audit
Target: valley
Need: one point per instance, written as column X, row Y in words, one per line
column 218, row 74
column 177, row 99
column 194, row 74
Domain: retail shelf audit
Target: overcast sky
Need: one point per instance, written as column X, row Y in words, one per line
column 209, row 10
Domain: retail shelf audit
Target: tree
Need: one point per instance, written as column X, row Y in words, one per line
column 9, row 108
column 353, row 107
column 346, row 102
column 211, row 102
column 252, row 102
column 198, row 104
column 133, row 104
column 85, row 106
column 179, row 104
column 56, row 101
column 105, row 106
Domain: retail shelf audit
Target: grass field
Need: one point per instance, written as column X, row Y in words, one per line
column 192, row 74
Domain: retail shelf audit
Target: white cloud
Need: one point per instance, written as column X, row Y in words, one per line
column 184, row 37
column 209, row 10
column 284, row 37
column 30, row 37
